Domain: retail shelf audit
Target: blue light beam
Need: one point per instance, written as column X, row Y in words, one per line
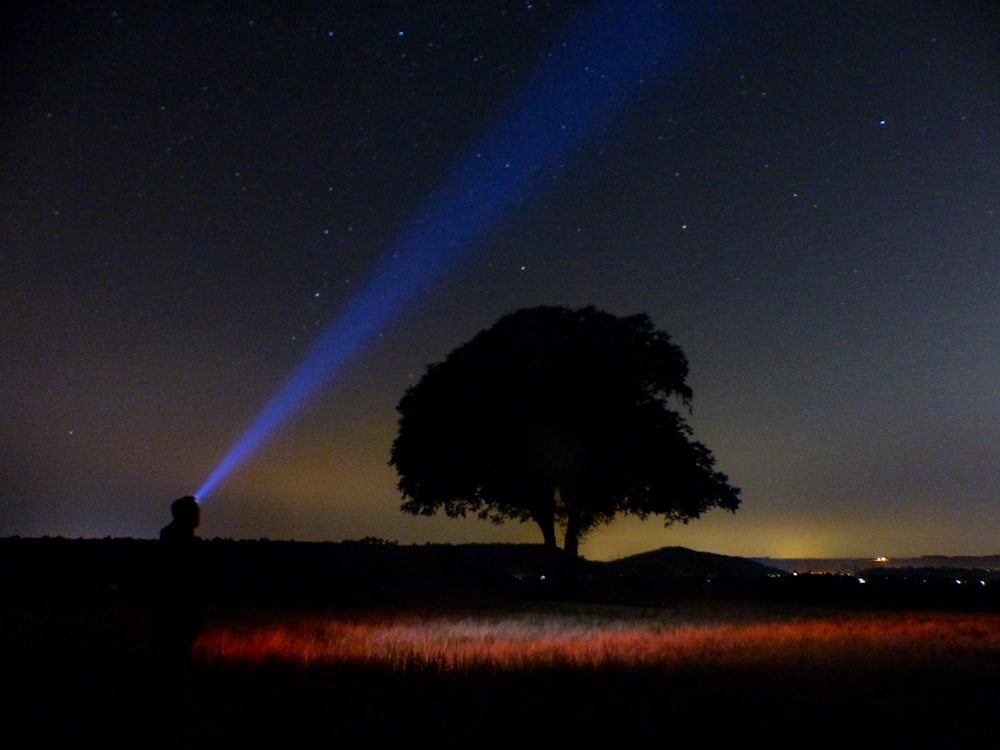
column 595, row 73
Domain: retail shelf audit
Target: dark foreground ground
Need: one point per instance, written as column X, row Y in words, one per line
column 75, row 675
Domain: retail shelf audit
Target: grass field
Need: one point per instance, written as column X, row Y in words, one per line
column 705, row 672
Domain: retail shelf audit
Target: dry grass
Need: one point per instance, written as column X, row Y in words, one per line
column 595, row 640
column 705, row 674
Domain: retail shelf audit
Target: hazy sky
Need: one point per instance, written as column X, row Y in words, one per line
column 805, row 195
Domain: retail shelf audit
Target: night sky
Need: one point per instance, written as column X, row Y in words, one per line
column 805, row 195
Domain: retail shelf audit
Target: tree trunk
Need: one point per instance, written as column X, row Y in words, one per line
column 573, row 528
column 548, row 527
column 544, row 514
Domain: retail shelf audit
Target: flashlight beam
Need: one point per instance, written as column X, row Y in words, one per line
column 598, row 71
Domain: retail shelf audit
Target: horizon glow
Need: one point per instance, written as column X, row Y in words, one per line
column 592, row 75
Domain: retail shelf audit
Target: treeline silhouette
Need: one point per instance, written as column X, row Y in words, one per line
column 276, row 571
column 376, row 571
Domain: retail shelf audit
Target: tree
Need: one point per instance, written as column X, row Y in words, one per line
column 558, row 416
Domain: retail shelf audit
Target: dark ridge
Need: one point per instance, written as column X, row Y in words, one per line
column 275, row 571
column 673, row 563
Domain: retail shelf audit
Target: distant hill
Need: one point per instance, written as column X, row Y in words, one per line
column 684, row 563
column 374, row 572
column 262, row 569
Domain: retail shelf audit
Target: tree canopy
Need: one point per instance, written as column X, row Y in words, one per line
column 564, row 417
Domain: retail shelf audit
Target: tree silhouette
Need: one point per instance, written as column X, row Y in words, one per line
column 558, row 416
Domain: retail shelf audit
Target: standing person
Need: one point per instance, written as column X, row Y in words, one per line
column 179, row 606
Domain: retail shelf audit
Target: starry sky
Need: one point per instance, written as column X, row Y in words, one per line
column 806, row 196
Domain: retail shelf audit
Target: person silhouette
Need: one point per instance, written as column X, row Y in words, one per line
column 179, row 602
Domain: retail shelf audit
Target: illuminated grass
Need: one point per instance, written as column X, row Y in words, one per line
column 707, row 672
column 534, row 641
